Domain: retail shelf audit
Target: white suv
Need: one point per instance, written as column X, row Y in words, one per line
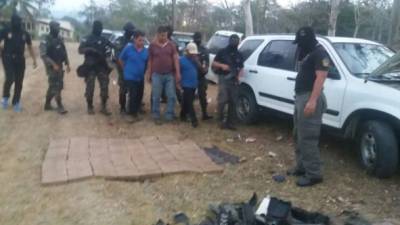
column 362, row 104
column 218, row 41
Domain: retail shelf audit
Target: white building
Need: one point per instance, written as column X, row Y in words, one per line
column 41, row 27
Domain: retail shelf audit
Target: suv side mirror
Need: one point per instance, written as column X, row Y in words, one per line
column 333, row 74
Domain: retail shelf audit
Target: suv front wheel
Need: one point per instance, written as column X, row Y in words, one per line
column 378, row 148
column 246, row 107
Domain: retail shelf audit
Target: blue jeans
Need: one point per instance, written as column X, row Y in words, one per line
column 160, row 82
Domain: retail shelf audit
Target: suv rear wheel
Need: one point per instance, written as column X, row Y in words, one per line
column 378, row 148
column 246, row 107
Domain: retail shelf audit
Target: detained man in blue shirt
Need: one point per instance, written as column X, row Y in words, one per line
column 189, row 64
column 133, row 60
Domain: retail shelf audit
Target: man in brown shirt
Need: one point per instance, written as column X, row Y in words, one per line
column 163, row 73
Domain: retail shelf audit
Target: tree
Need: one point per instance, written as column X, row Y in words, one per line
column 333, row 17
column 248, row 18
column 173, row 22
column 394, row 34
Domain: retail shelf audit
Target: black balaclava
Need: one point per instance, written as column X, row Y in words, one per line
column 129, row 29
column 197, row 38
column 54, row 29
column 306, row 41
column 16, row 23
column 170, row 31
column 97, row 28
column 233, row 42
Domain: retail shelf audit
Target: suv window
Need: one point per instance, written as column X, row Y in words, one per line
column 248, row 47
column 217, row 42
column 279, row 54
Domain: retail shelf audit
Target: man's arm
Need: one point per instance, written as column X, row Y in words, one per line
column 85, row 48
column 316, row 92
column 218, row 65
column 32, row 53
column 177, row 68
column 149, row 69
column 217, row 62
column 66, row 60
column 43, row 54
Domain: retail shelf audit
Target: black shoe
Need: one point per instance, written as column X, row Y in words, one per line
column 295, row 172
column 195, row 124
column 158, row 121
column 48, row 107
column 142, row 111
column 132, row 118
column 226, row 126
column 122, row 111
column 90, row 110
column 61, row 110
column 308, row 182
column 105, row 112
column 207, row 117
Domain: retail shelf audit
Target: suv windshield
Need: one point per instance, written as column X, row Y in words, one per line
column 390, row 70
column 362, row 59
column 217, row 42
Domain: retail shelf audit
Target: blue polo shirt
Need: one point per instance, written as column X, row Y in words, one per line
column 135, row 62
column 188, row 72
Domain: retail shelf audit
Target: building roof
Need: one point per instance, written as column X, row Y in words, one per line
column 63, row 24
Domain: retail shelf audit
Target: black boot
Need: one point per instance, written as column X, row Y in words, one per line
column 206, row 116
column 90, row 109
column 60, row 107
column 104, row 110
column 47, row 105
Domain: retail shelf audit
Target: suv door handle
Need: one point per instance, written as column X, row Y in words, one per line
column 253, row 71
column 291, row 78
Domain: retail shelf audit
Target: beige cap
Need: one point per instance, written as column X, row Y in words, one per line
column 191, row 48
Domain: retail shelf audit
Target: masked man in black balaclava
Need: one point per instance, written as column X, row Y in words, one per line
column 228, row 64
column 120, row 44
column 54, row 55
column 202, row 72
column 96, row 50
column 310, row 104
column 15, row 38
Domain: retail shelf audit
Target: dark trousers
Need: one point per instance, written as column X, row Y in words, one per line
column 135, row 91
column 202, row 91
column 178, row 96
column 187, row 104
column 14, row 70
column 307, row 132
column 227, row 95
column 123, row 89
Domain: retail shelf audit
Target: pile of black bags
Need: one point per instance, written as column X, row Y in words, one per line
column 271, row 212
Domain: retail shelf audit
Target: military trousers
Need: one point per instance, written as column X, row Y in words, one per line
column 227, row 95
column 55, row 81
column 202, row 92
column 103, row 79
column 306, row 135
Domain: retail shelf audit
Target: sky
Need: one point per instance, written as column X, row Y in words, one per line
column 71, row 7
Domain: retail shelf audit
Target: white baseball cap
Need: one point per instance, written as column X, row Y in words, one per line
column 191, row 48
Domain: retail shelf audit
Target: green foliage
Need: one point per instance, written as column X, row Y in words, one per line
column 268, row 16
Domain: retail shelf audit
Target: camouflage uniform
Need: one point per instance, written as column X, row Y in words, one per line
column 96, row 49
column 53, row 51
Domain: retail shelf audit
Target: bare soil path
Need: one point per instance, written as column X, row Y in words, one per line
column 24, row 138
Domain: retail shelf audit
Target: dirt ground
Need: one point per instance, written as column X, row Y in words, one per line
column 24, row 138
